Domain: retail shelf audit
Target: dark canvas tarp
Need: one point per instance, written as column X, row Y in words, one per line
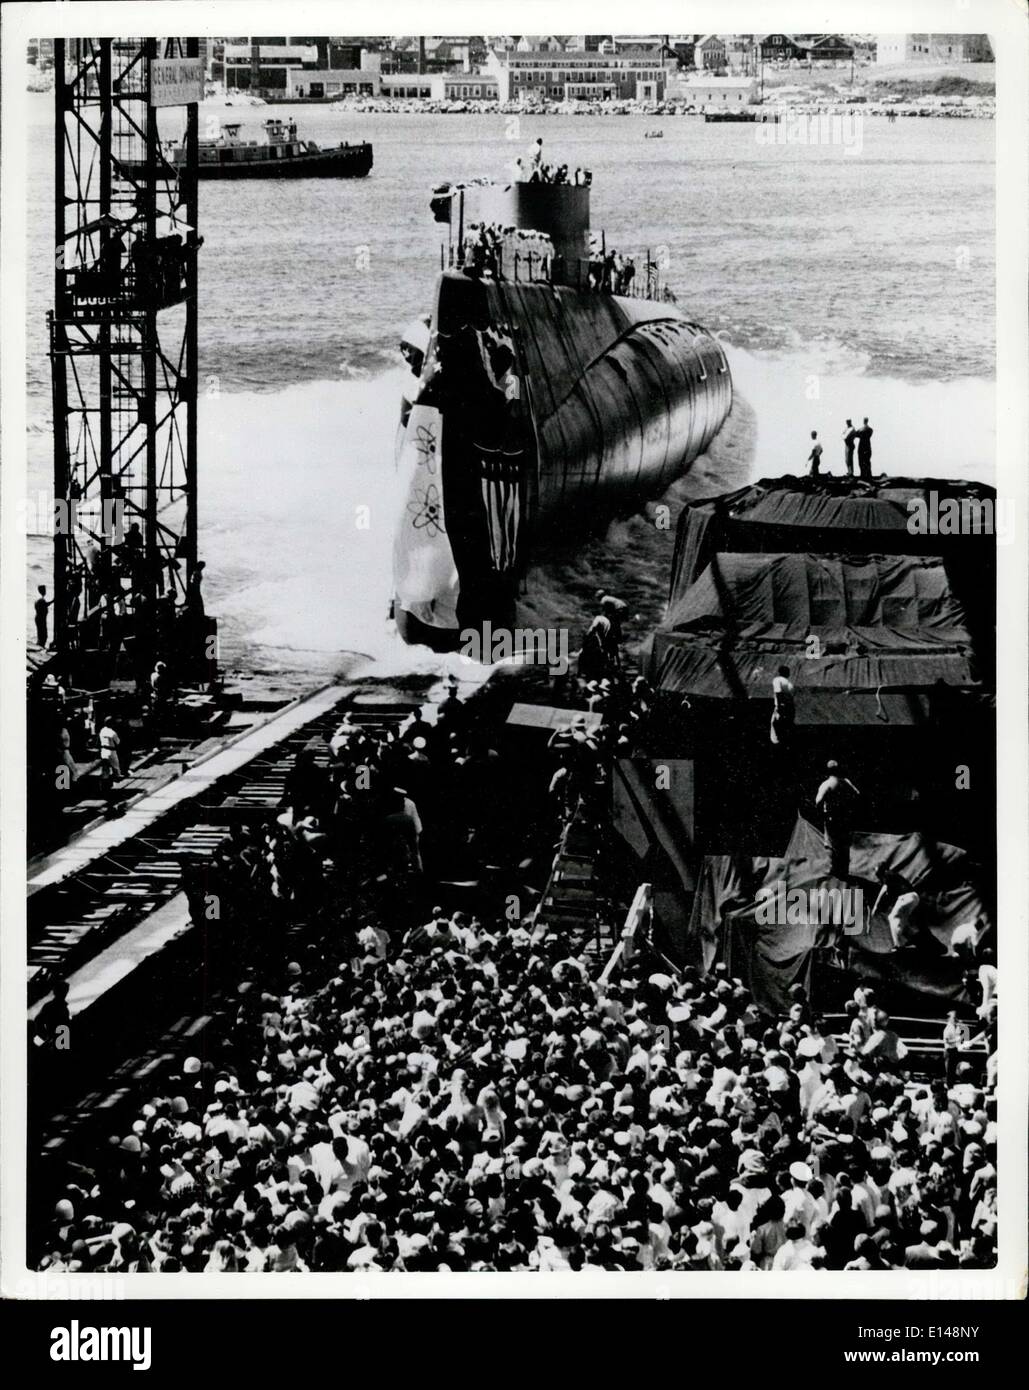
column 832, row 515
column 895, row 601
column 727, row 917
column 881, row 622
column 745, row 672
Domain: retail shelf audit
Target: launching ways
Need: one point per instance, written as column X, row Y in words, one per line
column 127, row 994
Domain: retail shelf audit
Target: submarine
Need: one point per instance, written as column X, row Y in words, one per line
column 554, row 387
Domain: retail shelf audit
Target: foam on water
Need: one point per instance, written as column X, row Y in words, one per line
column 297, row 499
column 927, row 429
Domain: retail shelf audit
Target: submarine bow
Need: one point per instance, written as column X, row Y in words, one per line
column 542, row 412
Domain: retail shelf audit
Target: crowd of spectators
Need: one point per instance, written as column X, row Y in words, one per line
column 464, row 1097
column 425, row 1090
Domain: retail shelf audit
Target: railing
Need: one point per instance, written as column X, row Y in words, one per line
column 535, row 268
column 637, row 920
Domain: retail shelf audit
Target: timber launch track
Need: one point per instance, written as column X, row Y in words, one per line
column 114, row 921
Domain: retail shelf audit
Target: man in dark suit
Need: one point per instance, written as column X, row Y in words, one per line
column 850, row 435
column 864, row 449
column 923, row 1255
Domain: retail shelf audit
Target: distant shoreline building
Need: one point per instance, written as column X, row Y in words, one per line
column 718, row 93
column 538, row 75
column 932, row 48
column 830, row 48
column 266, row 67
column 709, row 52
column 780, row 48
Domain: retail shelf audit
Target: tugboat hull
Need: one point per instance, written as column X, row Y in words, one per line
column 344, row 162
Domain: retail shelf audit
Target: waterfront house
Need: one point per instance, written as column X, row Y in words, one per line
column 709, row 52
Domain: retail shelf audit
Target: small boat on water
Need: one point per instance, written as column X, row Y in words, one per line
column 653, row 135
column 281, row 155
column 718, row 117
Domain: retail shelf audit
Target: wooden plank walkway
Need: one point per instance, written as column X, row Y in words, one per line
column 100, row 839
column 156, row 857
column 110, row 966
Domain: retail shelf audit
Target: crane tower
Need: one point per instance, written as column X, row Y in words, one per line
column 123, row 343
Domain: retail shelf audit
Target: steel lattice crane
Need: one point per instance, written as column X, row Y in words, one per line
column 123, row 343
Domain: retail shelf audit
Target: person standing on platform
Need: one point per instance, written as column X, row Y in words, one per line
column 784, row 712
column 109, row 761
column 52, row 1017
column 850, row 435
column 837, row 797
column 42, row 608
column 953, row 1042
column 815, row 456
column 864, row 449
column 987, row 983
column 194, row 594
column 595, row 656
column 64, row 757
column 614, row 610
column 536, row 160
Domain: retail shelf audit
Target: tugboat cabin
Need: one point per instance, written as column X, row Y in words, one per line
column 280, row 142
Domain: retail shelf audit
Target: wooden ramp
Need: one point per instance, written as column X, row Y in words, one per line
column 100, row 840
column 160, row 916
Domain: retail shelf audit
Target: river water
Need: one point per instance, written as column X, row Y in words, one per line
column 843, row 281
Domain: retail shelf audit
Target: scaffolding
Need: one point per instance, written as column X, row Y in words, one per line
column 123, row 339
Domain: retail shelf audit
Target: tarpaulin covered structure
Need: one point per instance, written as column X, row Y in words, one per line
column 767, row 916
column 836, row 515
column 839, row 624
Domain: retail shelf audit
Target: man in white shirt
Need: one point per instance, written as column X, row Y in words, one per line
column 799, row 1206
column 836, row 797
column 109, row 745
column 796, row 1251
column 602, row 1206
column 730, row 1221
column 987, row 983
column 815, row 456
column 373, row 941
column 783, row 706
column 965, row 938
column 302, row 1095
column 355, row 1160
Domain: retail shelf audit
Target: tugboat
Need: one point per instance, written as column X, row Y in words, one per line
column 280, row 156
column 556, row 387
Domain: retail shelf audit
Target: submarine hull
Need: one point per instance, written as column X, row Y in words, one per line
column 542, row 412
